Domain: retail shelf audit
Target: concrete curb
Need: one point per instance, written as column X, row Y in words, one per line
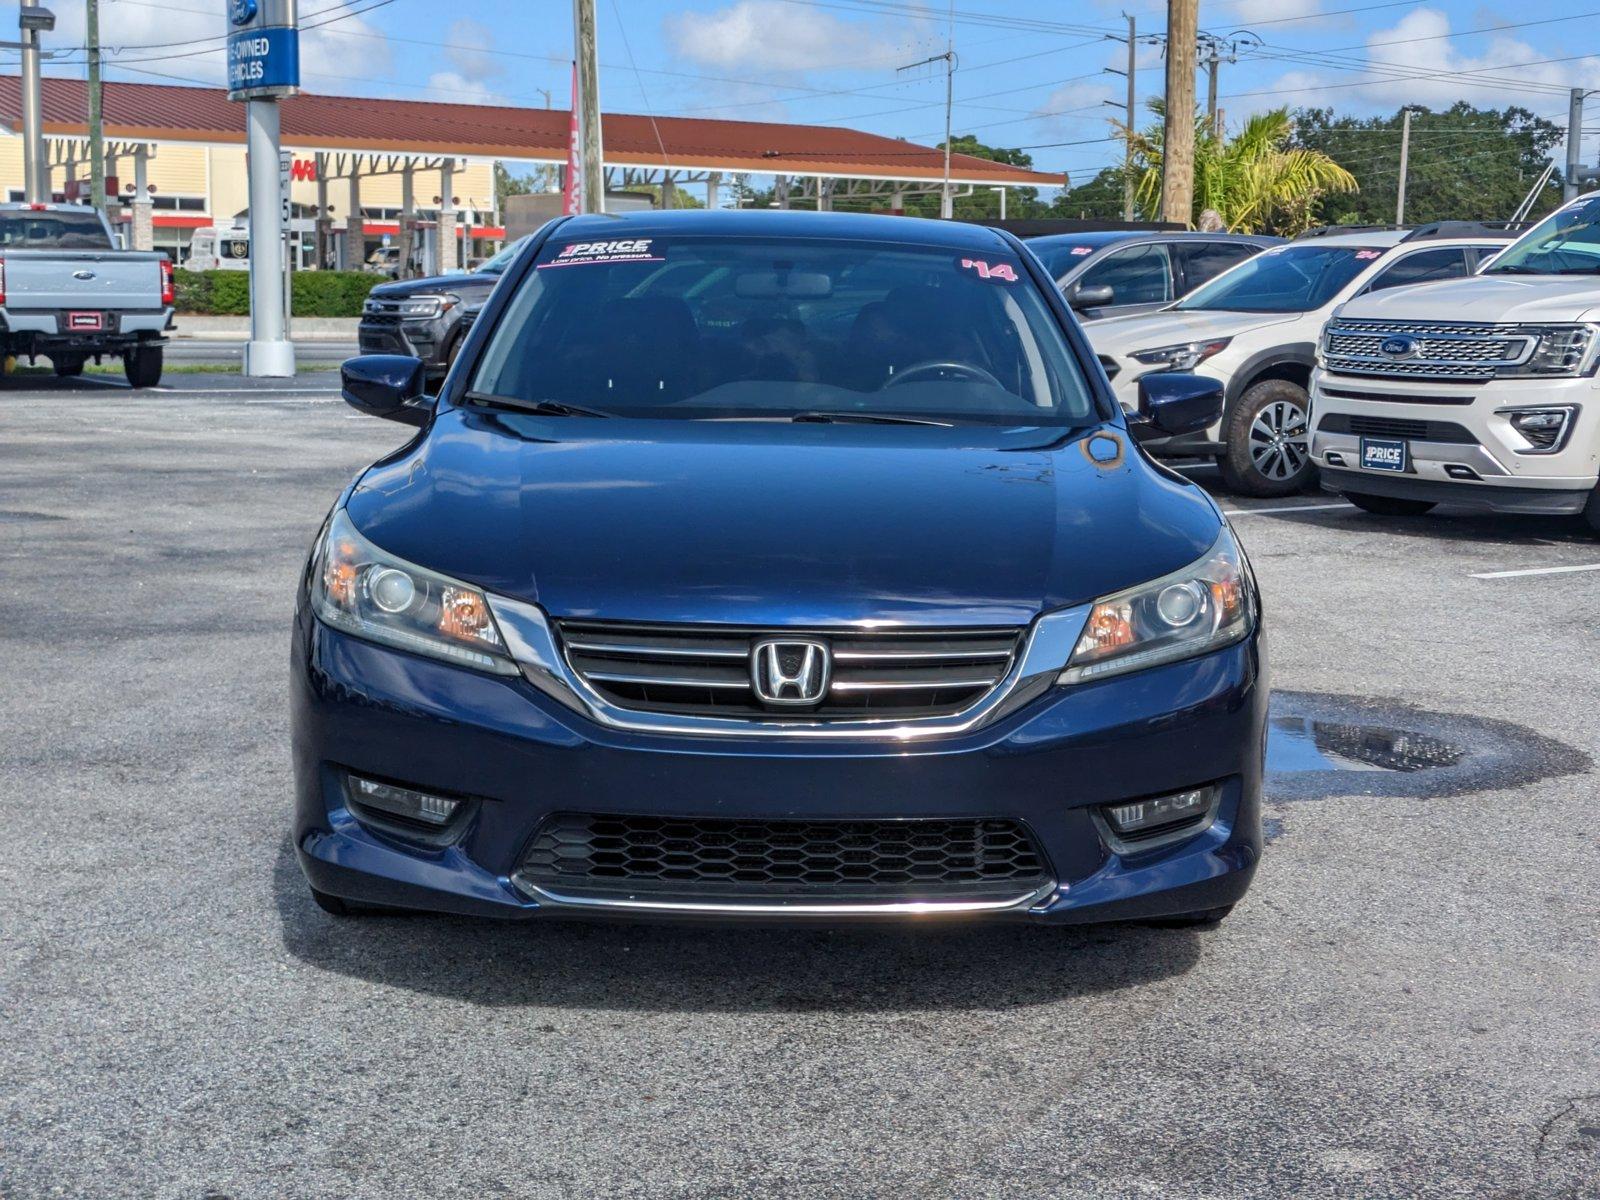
column 237, row 329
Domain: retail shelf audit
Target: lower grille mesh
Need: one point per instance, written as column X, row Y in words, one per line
column 883, row 859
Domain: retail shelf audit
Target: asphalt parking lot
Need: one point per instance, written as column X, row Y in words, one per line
column 1406, row 1004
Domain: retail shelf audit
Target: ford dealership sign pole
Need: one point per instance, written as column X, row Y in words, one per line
column 263, row 66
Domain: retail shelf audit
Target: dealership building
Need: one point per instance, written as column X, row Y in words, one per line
column 367, row 174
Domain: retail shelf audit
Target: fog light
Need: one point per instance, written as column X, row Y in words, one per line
column 408, row 805
column 1544, row 428
column 1149, row 815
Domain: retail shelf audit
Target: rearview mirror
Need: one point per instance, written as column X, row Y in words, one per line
column 1097, row 296
column 1172, row 404
column 387, row 386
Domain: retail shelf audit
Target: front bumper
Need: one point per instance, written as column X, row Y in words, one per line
column 1468, row 452
column 398, row 717
column 424, row 338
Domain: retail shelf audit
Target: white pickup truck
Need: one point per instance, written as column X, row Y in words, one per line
column 1479, row 391
column 68, row 293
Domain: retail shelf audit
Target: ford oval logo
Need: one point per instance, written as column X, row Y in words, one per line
column 84, row 275
column 242, row 12
column 1399, row 346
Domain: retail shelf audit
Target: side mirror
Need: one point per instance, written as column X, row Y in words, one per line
column 1092, row 297
column 387, row 386
column 1172, row 404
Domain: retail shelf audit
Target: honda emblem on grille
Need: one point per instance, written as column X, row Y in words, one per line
column 1400, row 346
column 790, row 673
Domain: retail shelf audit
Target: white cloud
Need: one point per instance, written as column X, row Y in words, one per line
column 451, row 87
column 468, row 45
column 328, row 52
column 769, row 35
column 1414, row 64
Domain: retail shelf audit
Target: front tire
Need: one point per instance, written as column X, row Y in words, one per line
column 143, row 366
column 1391, row 506
column 1591, row 510
column 1268, row 441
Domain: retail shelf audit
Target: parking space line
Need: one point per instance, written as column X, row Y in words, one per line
column 1535, row 571
column 1251, row 512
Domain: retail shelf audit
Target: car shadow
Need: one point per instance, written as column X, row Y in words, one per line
column 1450, row 524
column 659, row 967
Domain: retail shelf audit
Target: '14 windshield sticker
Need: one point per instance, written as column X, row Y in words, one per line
column 988, row 270
column 627, row 250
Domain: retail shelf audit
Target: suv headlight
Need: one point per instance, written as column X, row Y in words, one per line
column 1558, row 350
column 360, row 589
column 1203, row 607
column 426, row 306
column 1184, row 357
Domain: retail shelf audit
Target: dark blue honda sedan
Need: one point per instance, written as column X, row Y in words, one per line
column 777, row 566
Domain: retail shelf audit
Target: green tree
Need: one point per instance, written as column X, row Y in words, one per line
column 1466, row 163
column 1099, row 198
column 1255, row 181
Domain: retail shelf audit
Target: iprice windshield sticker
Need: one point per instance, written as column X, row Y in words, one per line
column 988, row 270
column 627, row 250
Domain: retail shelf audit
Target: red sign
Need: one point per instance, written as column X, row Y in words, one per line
column 303, row 170
column 572, row 189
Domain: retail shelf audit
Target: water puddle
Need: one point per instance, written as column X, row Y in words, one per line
column 1320, row 746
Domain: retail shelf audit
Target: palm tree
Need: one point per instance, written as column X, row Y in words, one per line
column 1254, row 181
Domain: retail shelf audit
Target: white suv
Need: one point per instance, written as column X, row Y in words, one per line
column 1478, row 391
column 1255, row 327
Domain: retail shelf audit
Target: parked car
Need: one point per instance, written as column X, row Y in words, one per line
column 385, row 261
column 1255, row 328
column 69, row 293
column 777, row 565
column 1477, row 391
column 1114, row 273
column 222, row 247
column 429, row 318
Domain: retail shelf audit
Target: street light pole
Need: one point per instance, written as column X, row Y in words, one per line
column 33, row 21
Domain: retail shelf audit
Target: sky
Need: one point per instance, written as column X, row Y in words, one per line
column 1029, row 74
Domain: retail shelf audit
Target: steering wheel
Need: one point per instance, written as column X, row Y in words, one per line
column 934, row 365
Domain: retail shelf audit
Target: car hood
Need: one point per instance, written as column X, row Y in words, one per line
column 434, row 284
column 1120, row 336
column 775, row 524
column 1492, row 298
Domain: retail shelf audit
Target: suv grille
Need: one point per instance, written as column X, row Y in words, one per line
column 1395, row 427
column 1444, row 351
column 706, row 671
column 576, row 853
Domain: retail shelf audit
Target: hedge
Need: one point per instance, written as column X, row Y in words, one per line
column 316, row 293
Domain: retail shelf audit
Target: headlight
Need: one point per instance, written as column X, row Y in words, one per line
column 360, row 589
column 1185, row 357
column 425, row 306
column 1558, row 350
column 1203, row 607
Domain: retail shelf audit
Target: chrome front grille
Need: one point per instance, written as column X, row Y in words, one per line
column 1443, row 351
column 707, row 670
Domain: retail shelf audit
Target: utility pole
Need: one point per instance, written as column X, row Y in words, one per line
column 1127, row 141
column 33, row 21
column 97, row 129
column 1212, row 59
column 1569, row 182
column 946, row 201
column 1405, row 157
column 590, row 150
column 1177, row 156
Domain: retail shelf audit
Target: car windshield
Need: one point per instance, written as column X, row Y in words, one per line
column 502, row 260
column 1060, row 254
column 1565, row 243
column 1286, row 279
column 53, row 231
column 779, row 328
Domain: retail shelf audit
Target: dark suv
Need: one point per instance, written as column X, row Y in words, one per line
column 423, row 318
column 1111, row 273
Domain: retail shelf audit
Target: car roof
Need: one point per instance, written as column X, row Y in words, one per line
column 1106, row 237
column 780, row 223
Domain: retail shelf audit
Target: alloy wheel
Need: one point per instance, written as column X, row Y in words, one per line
column 1278, row 445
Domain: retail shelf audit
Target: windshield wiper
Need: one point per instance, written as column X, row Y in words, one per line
column 825, row 417
column 545, row 408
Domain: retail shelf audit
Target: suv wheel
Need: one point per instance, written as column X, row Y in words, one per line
column 1268, row 445
column 1391, row 506
column 1591, row 510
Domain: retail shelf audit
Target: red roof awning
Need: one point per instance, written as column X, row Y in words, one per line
column 157, row 112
